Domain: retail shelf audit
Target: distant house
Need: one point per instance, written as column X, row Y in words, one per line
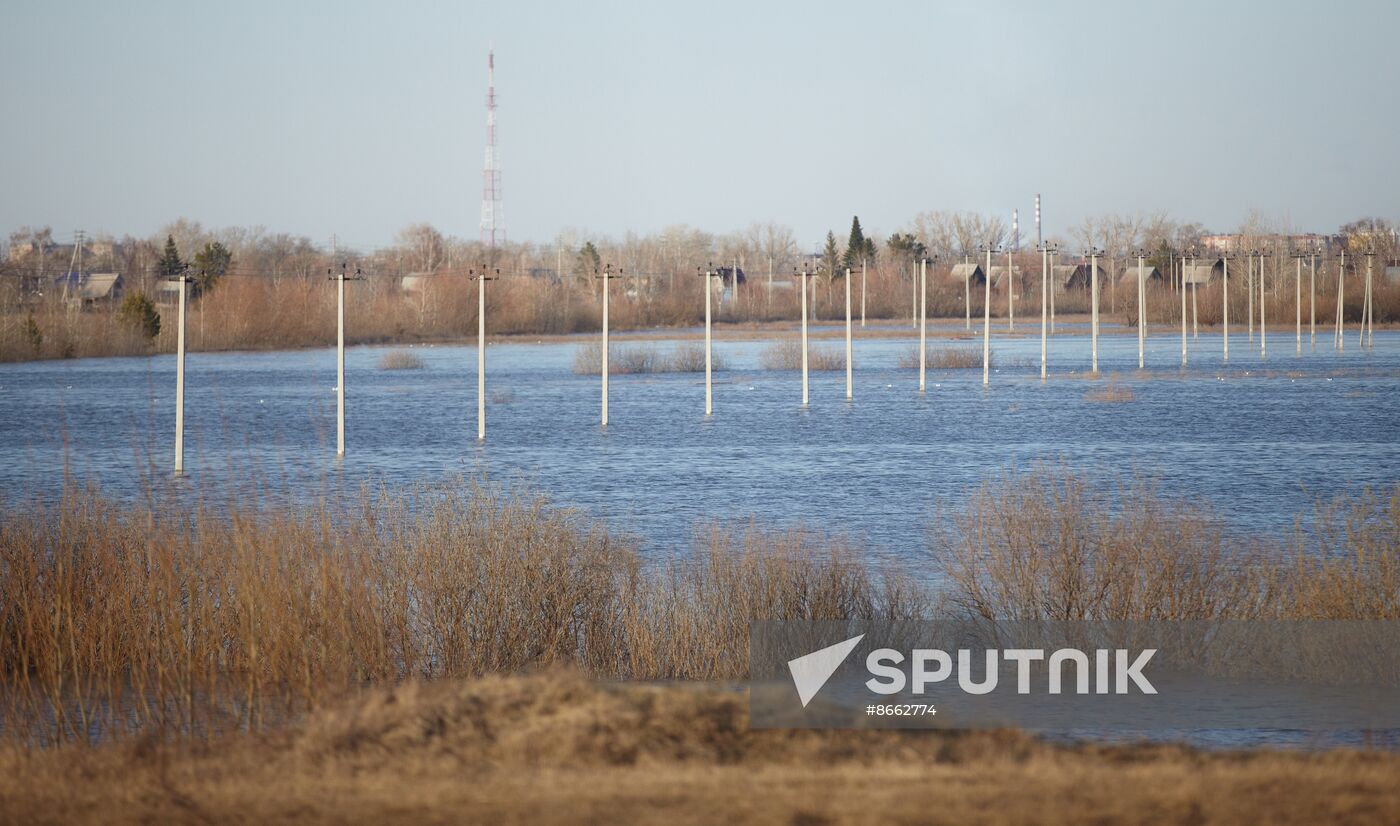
column 963, row 273
column 1129, row 274
column 1391, row 274
column 1080, row 276
column 998, row 274
column 95, row 288
column 1201, row 273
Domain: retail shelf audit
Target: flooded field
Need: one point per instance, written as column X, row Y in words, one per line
column 1255, row 440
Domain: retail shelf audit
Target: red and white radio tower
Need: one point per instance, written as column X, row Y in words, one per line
column 493, row 225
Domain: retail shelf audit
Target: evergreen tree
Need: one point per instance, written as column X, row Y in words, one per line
column 588, row 261
column 170, row 265
column 856, row 247
column 831, row 257
column 211, row 263
column 139, row 313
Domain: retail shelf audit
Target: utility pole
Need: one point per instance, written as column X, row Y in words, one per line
column 607, row 275
column 341, row 278
column 1142, row 315
column 1044, row 293
column 1094, row 302
column 1195, row 327
column 987, row 320
column 481, row 279
column 1312, row 298
column 180, row 378
column 1225, row 306
column 848, row 334
column 1339, row 342
column 1368, row 310
column 709, row 274
column 1263, row 332
column 1298, row 301
column 1181, row 283
column 805, row 276
column 923, row 323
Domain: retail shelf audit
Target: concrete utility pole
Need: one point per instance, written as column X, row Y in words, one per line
column 1094, row 302
column 1339, row 342
column 481, row 279
column 1181, row 283
column 805, row 276
column 1312, row 299
column 607, row 275
column 340, row 356
column 1263, row 333
column 987, row 321
column 1368, row 309
column 848, row 334
column 1298, row 301
column 708, row 273
column 923, row 322
column 180, row 380
column 1044, row 294
column 1225, row 306
column 1142, row 315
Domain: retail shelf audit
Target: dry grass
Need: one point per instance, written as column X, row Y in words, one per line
column 943, row 358
column 1043, row 545
column 118, row 621
column 623, row 359
column 557, row 748
column 128, row 619
column 787, row 355
column 401, row 360
column 1110, row 394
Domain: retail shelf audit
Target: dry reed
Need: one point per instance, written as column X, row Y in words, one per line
column 401, row 360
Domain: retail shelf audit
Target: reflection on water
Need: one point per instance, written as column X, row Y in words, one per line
column 1255, row 440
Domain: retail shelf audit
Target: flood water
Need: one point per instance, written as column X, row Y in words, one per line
column 1256, row 440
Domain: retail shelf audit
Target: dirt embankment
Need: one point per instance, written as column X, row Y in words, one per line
column 558, row 748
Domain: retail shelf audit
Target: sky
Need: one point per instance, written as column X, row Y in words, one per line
column 359, row 118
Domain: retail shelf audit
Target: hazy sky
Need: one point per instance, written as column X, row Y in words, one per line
column 358, row 118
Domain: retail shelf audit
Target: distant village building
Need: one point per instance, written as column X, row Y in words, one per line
column 1200, row 273
column 1237, row 243
column 94, row 288
column 962, row 273
column 1130, row 274
column 1080, row 276
column 998, row 273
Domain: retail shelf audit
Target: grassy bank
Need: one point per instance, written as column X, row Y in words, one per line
column 559, row 748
